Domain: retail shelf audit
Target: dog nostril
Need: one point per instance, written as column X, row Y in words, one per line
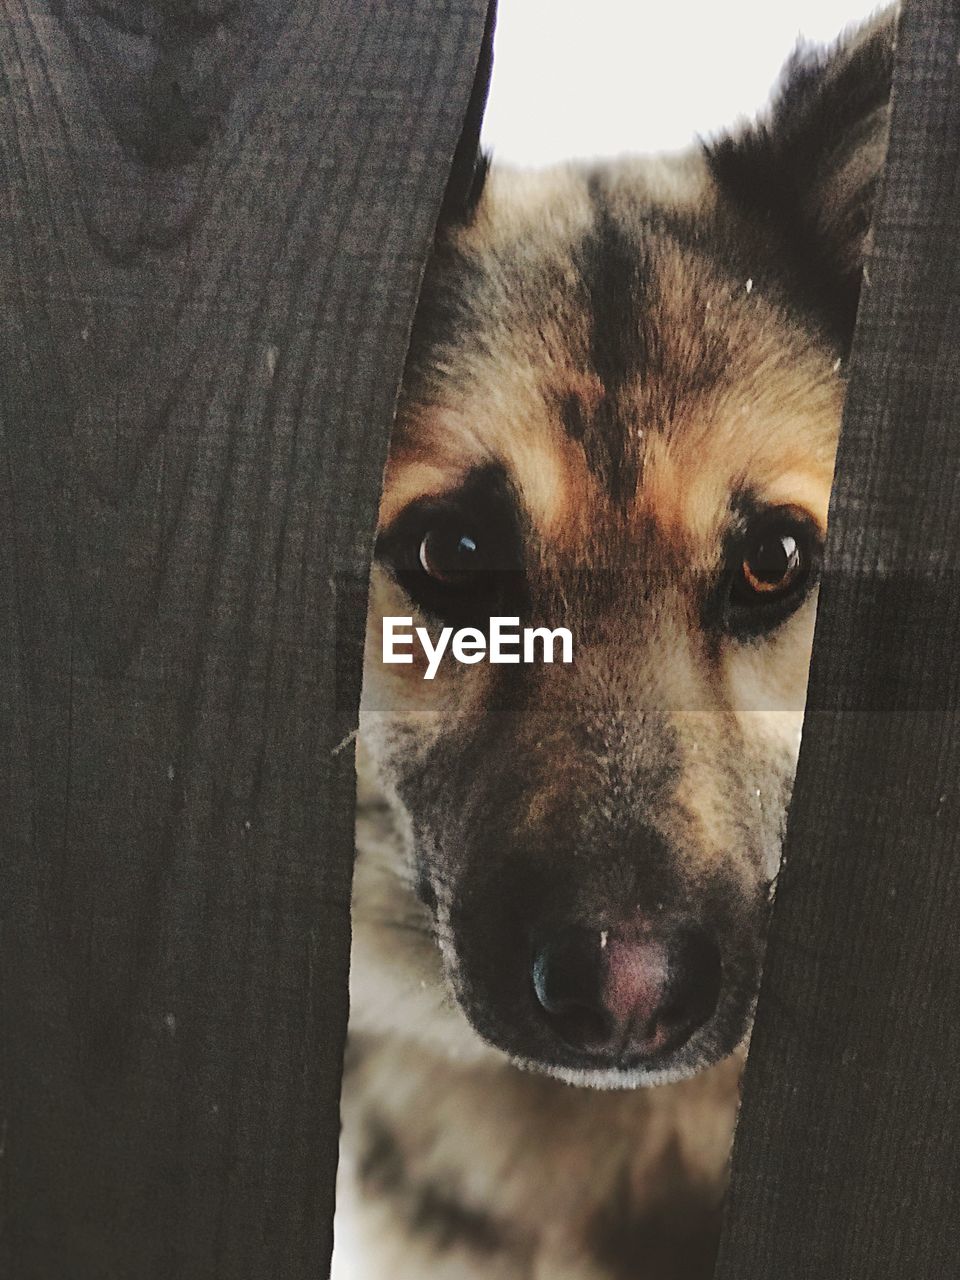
column 627, row 993
column 565, row 980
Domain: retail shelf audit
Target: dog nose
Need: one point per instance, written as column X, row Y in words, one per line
column 621, row 994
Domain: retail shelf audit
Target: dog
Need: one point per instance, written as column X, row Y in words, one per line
column 619, row 416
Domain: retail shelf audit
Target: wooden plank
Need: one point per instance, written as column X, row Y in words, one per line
column 215, row 221
column 847, row 1163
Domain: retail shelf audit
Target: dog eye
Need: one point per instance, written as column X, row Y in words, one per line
column 450, row 555
column 459, row 557
column 773, row 564
column 452, row 571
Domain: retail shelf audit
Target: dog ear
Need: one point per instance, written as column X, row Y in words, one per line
column 810, row 169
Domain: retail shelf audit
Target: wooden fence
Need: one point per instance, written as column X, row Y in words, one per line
column 215, row 221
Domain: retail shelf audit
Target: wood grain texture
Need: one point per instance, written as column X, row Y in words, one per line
column 215, row 218
column 847, row 1163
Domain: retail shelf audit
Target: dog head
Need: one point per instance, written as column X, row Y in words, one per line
column 620, row 417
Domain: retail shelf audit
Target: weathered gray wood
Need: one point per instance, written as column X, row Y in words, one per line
column 847, row 1159
column 215, row 219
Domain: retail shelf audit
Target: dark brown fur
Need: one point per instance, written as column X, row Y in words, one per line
column 614, row 370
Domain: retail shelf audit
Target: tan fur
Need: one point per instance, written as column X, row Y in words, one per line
column 666, row 733
column 772, row 421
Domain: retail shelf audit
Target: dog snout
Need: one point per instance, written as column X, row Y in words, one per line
column 627, row 994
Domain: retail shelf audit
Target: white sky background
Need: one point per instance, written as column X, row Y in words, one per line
column 582, row 78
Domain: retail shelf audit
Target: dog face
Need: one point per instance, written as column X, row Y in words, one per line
column 620, row 417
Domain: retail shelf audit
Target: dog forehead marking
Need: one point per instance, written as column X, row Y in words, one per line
column 626, row 383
